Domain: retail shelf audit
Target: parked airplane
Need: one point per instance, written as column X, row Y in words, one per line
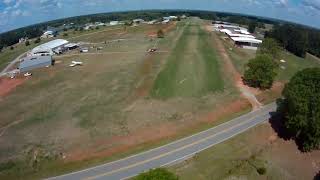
column 76, row 63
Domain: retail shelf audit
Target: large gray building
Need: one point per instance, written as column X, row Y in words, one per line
column 33, row 62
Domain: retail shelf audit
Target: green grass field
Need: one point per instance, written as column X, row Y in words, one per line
column 294, row 64
column 240, row 57
column 192, row 69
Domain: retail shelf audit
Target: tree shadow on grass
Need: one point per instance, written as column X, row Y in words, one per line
column 317, row 176
column 277, row 121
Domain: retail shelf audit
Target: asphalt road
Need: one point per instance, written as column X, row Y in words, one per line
column 11, row 64
column 174, row 152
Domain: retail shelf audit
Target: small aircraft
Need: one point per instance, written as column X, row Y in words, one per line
column 75, row 63
column 27, row 74
column 152, row 50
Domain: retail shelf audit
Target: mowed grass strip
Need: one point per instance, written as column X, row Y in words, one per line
column 192, row 69
column 213, row 73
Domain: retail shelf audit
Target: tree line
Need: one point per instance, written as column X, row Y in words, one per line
column 12, row 37
column 297, row 39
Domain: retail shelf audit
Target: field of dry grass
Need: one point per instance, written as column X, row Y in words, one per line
column 63, row 116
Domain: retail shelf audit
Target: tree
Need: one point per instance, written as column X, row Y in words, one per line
column 260, row 72
column 160, row 34
column 38, row 40
column 157, row 174
column 301, row 107
column 293, row 38
column 27, row 43
column 270, row 47
column 252, row 26
column 317, row 176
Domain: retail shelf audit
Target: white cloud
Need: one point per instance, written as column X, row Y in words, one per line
column 314, row 4
column 7, row 1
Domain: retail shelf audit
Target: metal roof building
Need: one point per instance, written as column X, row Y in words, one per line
column 47, row 48
column 33, row 62
column 230, row 33
column 247, row 43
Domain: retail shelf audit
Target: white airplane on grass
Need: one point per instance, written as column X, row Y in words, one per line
column 76, row 63
column 27, row 74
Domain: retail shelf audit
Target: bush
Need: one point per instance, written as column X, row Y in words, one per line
column 157, row 174
column 160, row 34
column 27, row 43
column 7, row 165
column 262, row 170
column 260, row 72
column 11, row 48
column 65, row 34
column 38, row 40
column 270, row 47
column 301, row 107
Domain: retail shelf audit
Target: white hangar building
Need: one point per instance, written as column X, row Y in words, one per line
column 47, row 49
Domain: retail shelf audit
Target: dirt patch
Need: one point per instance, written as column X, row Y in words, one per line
column 271, row 94
column 284, row 155
column 7, row 85
column 154, row 133
column 225, row 109
column 145, row 73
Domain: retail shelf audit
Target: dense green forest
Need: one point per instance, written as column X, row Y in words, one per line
column 295, row 38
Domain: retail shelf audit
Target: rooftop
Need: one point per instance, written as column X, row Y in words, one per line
column 50, row 45
column 34, row 60
column 246, row 39
column 237, row 34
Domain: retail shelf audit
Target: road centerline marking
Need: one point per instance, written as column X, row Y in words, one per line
column 168, row 153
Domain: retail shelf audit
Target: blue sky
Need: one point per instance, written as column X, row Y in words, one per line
column 18, row 13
